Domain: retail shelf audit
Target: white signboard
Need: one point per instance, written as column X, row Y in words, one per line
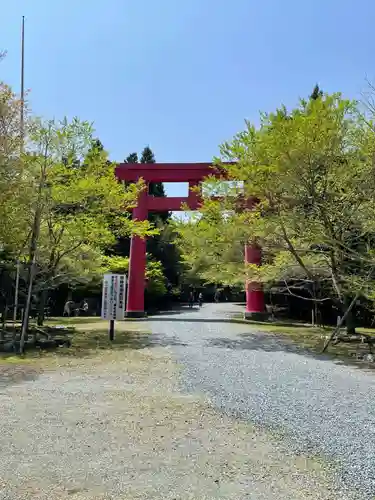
column 113, row 298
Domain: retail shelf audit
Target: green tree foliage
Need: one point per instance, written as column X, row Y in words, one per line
column 61, row 208
column 212, row 245
column 97, row 145
column 60, row 203
column 155, row 278
column 82, row 209
column 155, row 188
column 311, row 172
column 316, row 93
column 154, row 272
column 12, row 173
column 132, row 158
column 167, row 253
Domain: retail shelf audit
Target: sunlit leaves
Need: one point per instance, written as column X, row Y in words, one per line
column 312, row 171
column 72, row 185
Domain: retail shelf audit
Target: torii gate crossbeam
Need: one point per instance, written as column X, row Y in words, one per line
column 194, row 174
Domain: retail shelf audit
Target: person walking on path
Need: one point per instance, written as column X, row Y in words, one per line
column 191, row 300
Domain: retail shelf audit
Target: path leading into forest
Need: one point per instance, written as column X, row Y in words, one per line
column 199, row 409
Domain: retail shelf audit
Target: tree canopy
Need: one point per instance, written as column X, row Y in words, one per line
column 310, row 172
column 60, row 203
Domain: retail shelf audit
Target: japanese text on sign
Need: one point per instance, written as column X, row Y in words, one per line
column 113, row 297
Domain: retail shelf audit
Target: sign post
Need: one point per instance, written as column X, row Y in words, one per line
column 113, row 300
column 111, row 332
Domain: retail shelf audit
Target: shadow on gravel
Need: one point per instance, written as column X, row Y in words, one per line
column 174, row 312
column 267, row 342
column 16, row 373
column 197, row 320
column 154, row 340
column 264, row 342
column 86, row 344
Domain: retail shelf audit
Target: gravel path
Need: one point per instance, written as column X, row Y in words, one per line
column 317, row 406
column 114, row 426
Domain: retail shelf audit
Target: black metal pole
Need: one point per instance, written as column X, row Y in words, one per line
column 22, row 124
column 111, row 329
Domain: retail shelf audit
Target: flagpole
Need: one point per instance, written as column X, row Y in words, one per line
column 22, row 122
column 22, row 131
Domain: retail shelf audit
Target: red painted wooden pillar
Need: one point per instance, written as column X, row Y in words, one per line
column 194, row 195
column 254, row 292
column 135, row 306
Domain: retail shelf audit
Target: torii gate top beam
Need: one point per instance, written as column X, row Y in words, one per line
column 167, row 172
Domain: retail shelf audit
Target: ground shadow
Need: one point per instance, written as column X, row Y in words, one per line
column 15, row 369
column 174, row 312
column 90, row 343
column 198, row 319
column 265, row 342
column 228, row 319
column 15, row 373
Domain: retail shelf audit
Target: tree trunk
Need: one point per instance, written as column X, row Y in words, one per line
column 341, row 322
column 26, row 312
column 33, row 249
column 16, row 291
column 31, row 274
column 41, row 308
column 3, row 321
column 32, row 261
column 4, row 317
column 350, row 317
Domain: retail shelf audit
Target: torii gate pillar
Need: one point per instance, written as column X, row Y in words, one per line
column 254, row 292
column 193, row 173
column 135, row 307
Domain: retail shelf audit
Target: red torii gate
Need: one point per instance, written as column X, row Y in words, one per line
column 194, row 174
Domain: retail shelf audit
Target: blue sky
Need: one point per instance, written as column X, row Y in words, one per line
column 182, row 76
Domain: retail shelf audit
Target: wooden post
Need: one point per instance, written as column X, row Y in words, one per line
column 111, row 330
